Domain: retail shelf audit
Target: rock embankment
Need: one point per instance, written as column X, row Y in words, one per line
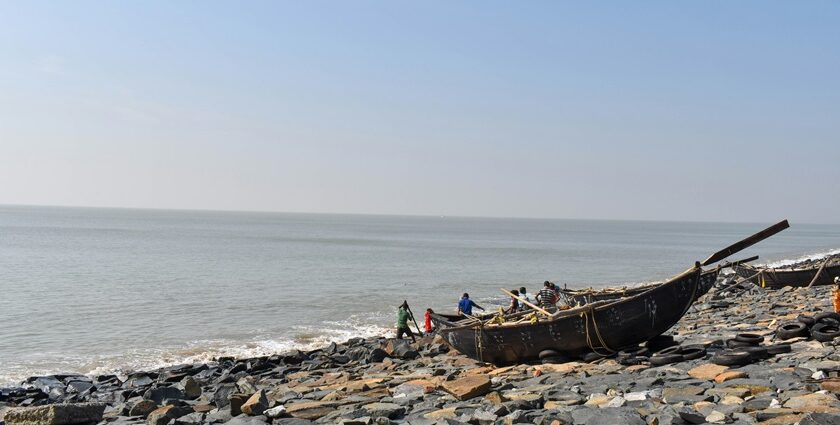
column 724, row 364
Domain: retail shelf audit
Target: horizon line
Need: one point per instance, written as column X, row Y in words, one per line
column 419, row 215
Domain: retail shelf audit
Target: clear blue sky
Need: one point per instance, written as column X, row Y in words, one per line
column 705, row 110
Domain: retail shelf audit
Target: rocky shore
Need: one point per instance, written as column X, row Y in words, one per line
column 382, row 381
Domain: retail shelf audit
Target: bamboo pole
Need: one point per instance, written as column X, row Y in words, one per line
column 527, row 303
column 819, row 272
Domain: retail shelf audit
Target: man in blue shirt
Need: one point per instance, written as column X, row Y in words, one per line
column 466, row 304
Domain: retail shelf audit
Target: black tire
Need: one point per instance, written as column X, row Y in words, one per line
column 676, row 349
column 693, row 352
column 633, row 352
column 778, row 349
column 732, row 358
column 792, row 330
column 734, row 343
column 757, row 353
column 754, row 339
column 808, row 320
column 591, row 357
column 632, row 361
column 829, row 317
column 548, row 353
column 658, row 343
column 555, row 360
column 824, row 332
column 661, row 360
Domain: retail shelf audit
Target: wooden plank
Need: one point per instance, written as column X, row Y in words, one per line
column 746, row 243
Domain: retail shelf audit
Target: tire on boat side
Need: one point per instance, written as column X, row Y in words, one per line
column 732, row 358
column 548, row 353
column 792, row 330
column 824, row 332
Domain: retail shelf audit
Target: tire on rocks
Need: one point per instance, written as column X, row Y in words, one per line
column 808, row 320
column 591, row 357
column 663, row 359
column 659, row 342
column 753, row 339
column 632, row 361
column 792, row 330
column 548, row 353
column 555, row 360
column 732, row 358
column 692, row 352
column 778, row 349
column 676, row 349
column 828, row 317
column 757, row 353
column 734, row 343
column 824, row 332
column 634, row 352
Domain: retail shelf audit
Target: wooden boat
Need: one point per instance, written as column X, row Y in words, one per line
column 778, row 277
column 602, row 326
column 584, row 296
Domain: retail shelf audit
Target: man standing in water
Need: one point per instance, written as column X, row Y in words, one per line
column 466, row 304
column 402, row 322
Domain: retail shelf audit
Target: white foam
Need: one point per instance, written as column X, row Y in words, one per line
column 813, row 256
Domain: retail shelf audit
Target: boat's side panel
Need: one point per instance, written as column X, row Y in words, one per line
column 780, row 278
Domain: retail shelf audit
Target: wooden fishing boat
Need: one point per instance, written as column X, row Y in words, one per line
column 584, row 296
column 799, row 276
column 603, row 326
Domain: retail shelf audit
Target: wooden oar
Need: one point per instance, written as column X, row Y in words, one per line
column 412, row 318
column 746, row 243
column 526, row 303
column 738, row 262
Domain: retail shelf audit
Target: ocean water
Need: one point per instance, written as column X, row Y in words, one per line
column 89, row 290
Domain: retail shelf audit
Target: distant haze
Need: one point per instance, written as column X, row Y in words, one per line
column 707, row 110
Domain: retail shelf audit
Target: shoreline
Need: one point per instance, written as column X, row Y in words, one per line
column 380, row 380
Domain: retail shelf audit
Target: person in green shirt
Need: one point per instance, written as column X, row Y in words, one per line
column 403, row 315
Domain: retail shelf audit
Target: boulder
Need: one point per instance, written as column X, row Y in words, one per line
column 816, row 402
column 707, row 371
column 142, row 408
column 607, row 416
column 55, row 414
column 158, row 395
column 190, row 387
column 256, row 404
column 730, row 374
column 236, row 402
column 469, row 387
column 384, row 410
column 162, row 415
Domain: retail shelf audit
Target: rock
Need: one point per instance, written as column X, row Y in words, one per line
column 731, row 374
column 191, row 388
column 377, row 355
column 469, row 387
column 707, row 371
column 276, row 412
column 236, row 402
column 310, row 409
column 691, row 416
column 158, row 395
column 607, row 416
column 820, row 419
column 55, row 414
column 256, row 404
column 816, row 402
column 409, row 391
column 247, row 420
column 386, row 410
column 142, row 408
column 716, row 417
column 195, row 418
column 162, row 415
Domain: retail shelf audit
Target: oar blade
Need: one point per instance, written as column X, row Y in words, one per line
column 746, row 243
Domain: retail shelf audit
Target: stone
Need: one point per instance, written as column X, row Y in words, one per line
column 55, row 414
column 236, row 402
column 387, row 410
column 731, row 374
column 195, row 418
column 162, row 415
column 310, row 409
column 707, row 371
column 276, row 412
column 820, row 419
column 142, row 408
column 716, row 417
column 256, row 404
column 607, row 416
column 468, row 387
column 158, row 395
column 190, row 387
column 816, row 402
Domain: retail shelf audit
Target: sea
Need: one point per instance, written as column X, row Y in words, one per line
column 93, row 291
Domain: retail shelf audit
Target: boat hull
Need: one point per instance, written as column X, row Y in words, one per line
column 600, row 327
column 584, row 296
column 778, row 278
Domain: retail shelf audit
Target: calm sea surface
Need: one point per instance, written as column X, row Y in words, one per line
column 101, row 290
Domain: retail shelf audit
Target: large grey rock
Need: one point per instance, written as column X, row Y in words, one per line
column 256, row 404
column 55, row 414
column 820, row 419
column 248, row 420
column 158, row 395
column 386, row 410
column 190, row 387
column 162, row 415
column 607, row 416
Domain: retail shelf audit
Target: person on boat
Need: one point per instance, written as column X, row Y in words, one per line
column 547, row 297
column 514, row 303
column 527, row 297
column 403, row 315
column 428, row 324
column 466, row 305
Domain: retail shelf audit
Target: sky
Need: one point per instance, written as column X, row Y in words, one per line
column 661, row 110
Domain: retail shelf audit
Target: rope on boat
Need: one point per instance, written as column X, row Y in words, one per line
column 585, row 315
